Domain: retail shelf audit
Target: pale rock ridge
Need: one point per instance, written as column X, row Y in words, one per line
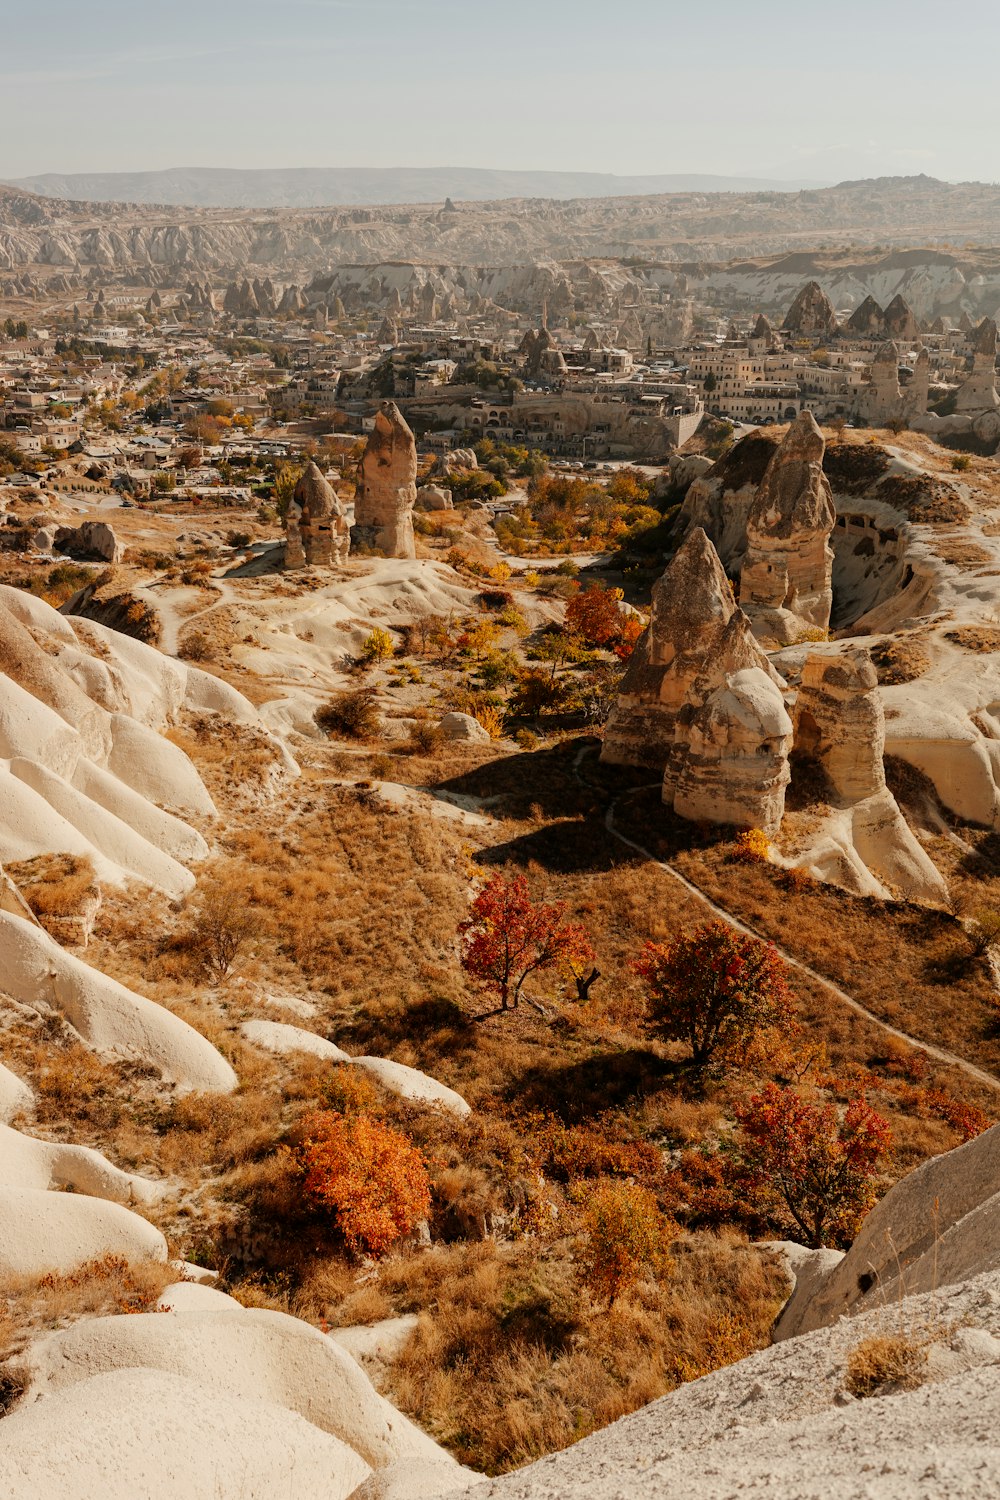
column 106, row 1015
column 41, row 1231
column 692, row 604
column 386, row 487
column 396, row 1078
column 126, row 1433
column 786, row 579
column 316, row 529
column 253, row 1354
column 16, row 1098
column 26, row 1162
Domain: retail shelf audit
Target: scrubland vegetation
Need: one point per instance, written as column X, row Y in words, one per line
column 590, row 1222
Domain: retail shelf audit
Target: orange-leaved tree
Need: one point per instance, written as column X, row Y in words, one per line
column 715, row 990
column 626, row 1235
column 507, row 937
column 810, row 1162
column 370, row 1178
column 596, row 615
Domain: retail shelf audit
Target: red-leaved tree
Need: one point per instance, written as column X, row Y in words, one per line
column 715, row 990
column 810, row 1162
column 507, row 937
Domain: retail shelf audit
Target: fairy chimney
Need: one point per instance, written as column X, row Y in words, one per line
column 786, row 581
column 692, row 604
column 839, row 722
column 734, row 739
column 316, row 530
column 386, row 488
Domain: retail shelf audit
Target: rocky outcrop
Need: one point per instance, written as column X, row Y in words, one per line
column 691, row 607
column 386, row 489
column 839, row 721
column 867, row 320
column 900, row 323
column 433, row 497
column 316, row 530
column 730, row 763
column 785, row 584
column 917, row 393
column 936, row 1227
column 840, row 724
column 94, row 540
column 812, row 312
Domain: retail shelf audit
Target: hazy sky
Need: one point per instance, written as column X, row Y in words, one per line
column 776, row 88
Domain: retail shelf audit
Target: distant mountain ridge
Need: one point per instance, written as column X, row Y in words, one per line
column 316, row 187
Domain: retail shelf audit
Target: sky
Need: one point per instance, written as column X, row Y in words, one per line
column 762, row 88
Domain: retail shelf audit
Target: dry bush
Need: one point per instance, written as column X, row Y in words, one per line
column 902, row 660
column 351, row 715
column 425, row 738
column 897, row 1360
column 100, row 1288
column 369, row 1177
column 221, row 929
column 55, row 885
column 626, row 1236
column 196, row 646
column 982, row 638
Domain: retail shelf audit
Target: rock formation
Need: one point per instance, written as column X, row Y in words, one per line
column 387, row 488
column 867, row 320
column 979, row 392
column 316, row 529
column 692, row 605
column 917, row 393
column 840, row 723
column 730, row 763
column 812, row 312
column 880, row 400
column 785, row 584
column 92, row 539
column 899, row 320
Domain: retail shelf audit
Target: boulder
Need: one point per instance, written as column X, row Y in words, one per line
column 94, row 540
column 456, row 726
column 433, row 497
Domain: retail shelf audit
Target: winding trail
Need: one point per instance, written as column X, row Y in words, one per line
column 940, row 1054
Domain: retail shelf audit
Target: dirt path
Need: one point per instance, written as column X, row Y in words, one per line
column 940, row 1054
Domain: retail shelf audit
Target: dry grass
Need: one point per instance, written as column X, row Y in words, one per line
column 354, row 907
column 99, row 1288
column 516, row 1360
column 896, row 1362
column 901, row 660
column 981, row 638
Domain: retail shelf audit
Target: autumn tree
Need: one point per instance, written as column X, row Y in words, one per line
column 370, row 1178
column 811, row 1162
column 626, row 1236
column 507, row 937
column 599, row 618
column 715, row 990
